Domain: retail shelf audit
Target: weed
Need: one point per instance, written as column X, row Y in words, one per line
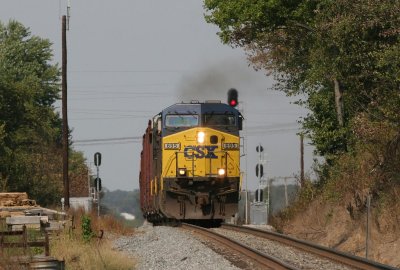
column 87, row 232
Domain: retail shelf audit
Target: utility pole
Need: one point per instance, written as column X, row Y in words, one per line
column 302, row 181
column 286, row 196
column 65, row 112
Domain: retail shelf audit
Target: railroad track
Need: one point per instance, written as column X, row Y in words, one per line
column 262, row 261
column 311, row 256
column 331, row 254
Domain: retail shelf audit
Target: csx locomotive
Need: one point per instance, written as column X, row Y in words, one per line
column 190, row 162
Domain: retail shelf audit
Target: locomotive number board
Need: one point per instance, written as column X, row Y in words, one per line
column 172, row 146
column 230, row 146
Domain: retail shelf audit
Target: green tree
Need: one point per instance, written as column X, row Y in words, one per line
column 29, row 126
column 342, row 55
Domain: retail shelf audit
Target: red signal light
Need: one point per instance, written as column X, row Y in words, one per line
column 232, row 97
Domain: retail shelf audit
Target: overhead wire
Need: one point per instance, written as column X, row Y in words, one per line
column 127, row 71
column 107, row 141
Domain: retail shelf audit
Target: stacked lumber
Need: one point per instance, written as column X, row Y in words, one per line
column 15, row 199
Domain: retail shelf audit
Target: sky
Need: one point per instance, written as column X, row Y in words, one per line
column 129, row 59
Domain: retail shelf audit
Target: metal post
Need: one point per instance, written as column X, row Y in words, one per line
column 302, row 181
column 286, row 197
column 98, row 191
column 259, row 175
column 88, row 177
column 368, row 229
column 269, row 200
column 97, row 163
column 246, row 213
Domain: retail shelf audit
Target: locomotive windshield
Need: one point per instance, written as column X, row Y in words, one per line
column 213, row 119
column 181, row 120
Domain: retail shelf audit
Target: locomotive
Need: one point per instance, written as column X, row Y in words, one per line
column 190, row 162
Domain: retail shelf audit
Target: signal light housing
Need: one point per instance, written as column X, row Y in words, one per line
column 233, row 97
column 97, row 184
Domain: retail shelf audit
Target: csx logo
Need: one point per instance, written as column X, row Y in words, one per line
column 200, row 151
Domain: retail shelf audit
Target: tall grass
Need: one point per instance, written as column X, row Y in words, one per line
column 81, row 250
column 97, row 254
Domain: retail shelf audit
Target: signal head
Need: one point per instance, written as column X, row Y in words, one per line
column 233, row 97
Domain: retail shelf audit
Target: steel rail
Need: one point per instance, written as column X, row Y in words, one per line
column 261, row 259
column 335, row 255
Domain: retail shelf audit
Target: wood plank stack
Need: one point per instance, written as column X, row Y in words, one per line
column 15, row 199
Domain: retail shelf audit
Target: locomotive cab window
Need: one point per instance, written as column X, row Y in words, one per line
column 212, row 119
column 181, row 120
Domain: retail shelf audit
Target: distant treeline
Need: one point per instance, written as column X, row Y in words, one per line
column 120, row 201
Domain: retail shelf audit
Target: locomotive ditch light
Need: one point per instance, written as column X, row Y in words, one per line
column 221, row 172
column 182, row 171
column 200, row 137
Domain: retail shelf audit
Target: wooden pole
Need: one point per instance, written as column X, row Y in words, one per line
column 65, row 113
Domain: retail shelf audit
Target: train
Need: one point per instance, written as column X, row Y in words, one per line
column 190, row 162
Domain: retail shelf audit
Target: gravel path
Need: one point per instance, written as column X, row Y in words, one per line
column 169, row 248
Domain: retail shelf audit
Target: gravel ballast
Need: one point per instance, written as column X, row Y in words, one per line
column 162, row 247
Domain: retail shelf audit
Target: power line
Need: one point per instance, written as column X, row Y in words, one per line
column 112, row 92
column 271, row 131
column 110, row 139
column 128, row 71
column 110, row 114
column 109, row 118
column 106, row 143
column 116, row 85
column 114, row 98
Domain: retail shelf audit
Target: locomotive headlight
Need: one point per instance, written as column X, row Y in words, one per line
column 182, row 171
column 200, row 137
column 221, row 171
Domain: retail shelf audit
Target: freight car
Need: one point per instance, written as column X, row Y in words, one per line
column 190, row 162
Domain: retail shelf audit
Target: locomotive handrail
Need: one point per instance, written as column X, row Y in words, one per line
column 171, row 159
column 233, row 161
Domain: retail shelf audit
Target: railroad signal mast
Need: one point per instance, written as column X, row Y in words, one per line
column 260, row 173
column 233, row 101
column 259, row 207
column 97, row 182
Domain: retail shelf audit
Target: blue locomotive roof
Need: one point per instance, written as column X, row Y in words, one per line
column 199, row 108
column 194, row 114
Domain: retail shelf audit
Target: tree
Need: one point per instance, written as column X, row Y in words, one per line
column 343, row 55
column 30, row 129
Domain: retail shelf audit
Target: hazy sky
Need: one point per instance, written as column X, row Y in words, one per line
column 129, row 59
